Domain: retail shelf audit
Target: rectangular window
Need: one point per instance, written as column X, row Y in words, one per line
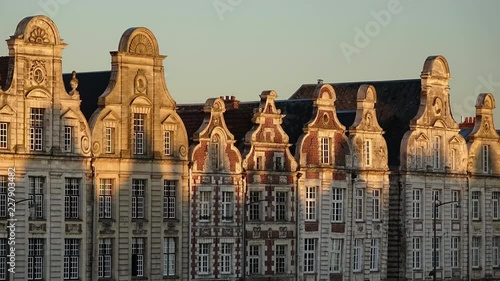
column 227, row 206
column 476, row 252
column 254, row 208
column 278, row 161
column 325, row 150
column 417, row 252
column 139, row 133
column 169, row 254
column 337, row 205
column 368, row 152
column 281, row 198
column 68, row 136
column 258, row 163
column 36, row 129
column 336, row 259
column 110, row 139
column 495, row 200
column 486, row 158
column 105, row 257
column 420, row 157
column 358, row 204
column 215, row 153
column 436, row 198
column 455, row 252
column 417, row 203
column 436, row 152
column 4, row 251
column 437, row 246
column 376, row 204
column 357, row 255
column 476, row 205
column 254, row 259
column 453, row 159
column 36, row 197
column 203, row 256
column 138, row 256
column 226, row 261
column 311, row 203
column 71, row 259
column 4, row 136
column 495, row 253
column 374, row 254
column 455, row 207
column 205, row 199
column 309, row 255
column 3, row 196
column 168, row 142
column 71, row 198
column 169, row 199
column 35, row 258
column 281, row 260
column 138, row 198
column 105, row 198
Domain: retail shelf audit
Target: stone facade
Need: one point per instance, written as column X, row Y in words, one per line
column 350, row 181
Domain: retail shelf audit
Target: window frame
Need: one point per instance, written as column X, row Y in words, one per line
column 68, row 139
column 376, row 204
column 36, row 195
column 476, row 252
column 37, row 116
column 205, row 198
column 310, row 203
column 281, row 200
column 71, row 262
column 139, row 126
column 417, row 253
column 138, row 252
column 138, row 208
column 72, row 198
column 455, row 252
column 106, row 198
column 226, row 257
column 367, row 149
column 338, row 205
column 325, row 150
column 169, row 199
column 35, row 266
column 169, row 256
column 476, row 205
column 357, row 262
column 227, row 206
column 374, row 254
column 336, row 255
column 309, row 255
column 4, row 135
column 280, row 263
column 105, row 258
column 203, row 258
column 417, row 204
column 359, row 194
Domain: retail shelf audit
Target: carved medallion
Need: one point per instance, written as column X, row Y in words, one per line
column 437, row 106
column 37, row 72
column 141, row 45
column 38, row 36
column 141, row 83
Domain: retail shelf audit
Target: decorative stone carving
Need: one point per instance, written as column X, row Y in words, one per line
column 141, row 45
column 38, row 36
column 204, row 232
column 283, row 179
column 38, row 227
column 85, row 144
column 282, row 232
column 227, row 232
column 437, row 106
column 96, row 147
column 73, row 228
column 74, row 84
column 139, row 229
column 182, row 150
column 256, row 232
column 141, row 83
column 37, row 72
column 106, row 228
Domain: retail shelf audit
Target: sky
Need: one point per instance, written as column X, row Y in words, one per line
column 243, row 47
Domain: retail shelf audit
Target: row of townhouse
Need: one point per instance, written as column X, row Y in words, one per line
column 115, row 181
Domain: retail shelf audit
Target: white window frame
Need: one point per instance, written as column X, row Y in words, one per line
column 36, row 196
column 309, row 255
column 169, row 256
column 455, row 252
column 254, row 209
column 205, row 198
column 226, row 258
column 495, row 205
column 336, row 255
column 476, row 205
column 3, row 196
column 138, row 198
column 338, row 205
column 455, row 207
column 227, row 206
column 203, row 258
column 359, row 195
column 368, row 152
column 36, row 258
column 417, row 204
column 254, row 265
column 169, row 199
column 495, row 254
column 280, row 264
column 325, row 151
column 485, row 156
column 310, row 203
column 138, row 250
column 436, row 248
column 105, row 258
column 4, row 135
column 376, row 203
column 139, row 131
column 436, row 152
column 357, row 255
column 168, row 142
column 215, row 153
column 109, row 139
column 37, row 116
column 4, row 251
column 374, row 254
column 71, row 259
column 68, row 139
column 105, row 198
column 281, row 200
column 279, row 161
column 417, row 253
column 71, row 198
column 476, row 252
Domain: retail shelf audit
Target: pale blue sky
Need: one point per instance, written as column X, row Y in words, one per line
column 254, row 45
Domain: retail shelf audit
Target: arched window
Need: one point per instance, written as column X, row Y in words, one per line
column 215, row 152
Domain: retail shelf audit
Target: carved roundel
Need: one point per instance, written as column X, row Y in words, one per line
column 141, row 45
column 141, row 83
column 325, row 118
column 368, row 119
column 437, row 106
column 38, row 36
column 37, row 72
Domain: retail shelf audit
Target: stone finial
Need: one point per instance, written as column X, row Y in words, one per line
column 74, row 84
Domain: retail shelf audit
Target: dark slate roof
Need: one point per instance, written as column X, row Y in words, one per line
column 465, row 133
column 90, row 85
column 397, row 103
column 4, row 70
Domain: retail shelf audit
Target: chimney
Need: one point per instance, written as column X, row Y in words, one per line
column 231, row 103
column 320, row 81
column 467, row 123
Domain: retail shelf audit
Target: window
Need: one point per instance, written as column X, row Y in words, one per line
column 336, row 259
column 215, row 152
column 374, row 254
column 36, row 197
column 476, row 252
column 358, row 204
column 311, row 203
column 436, row 245
column 68, row 135
column 105, row 256
column 368, row 152
column 420, row 157
column 495, row 253
column 71, row 259
column 278, row 161
column 4, row 251
column 169, row 199
column 254, row 209
column 258, row 163
column 35, row 258
column 376, row 204
column 495, row 197
column 476, row 207
column 325, row 150
column 309, row 255
column 455, row 252
column 105, row 198
column 4, row 135
column 138, row 256
column 254, row 259
column 417, row 252
column 338, row 205
column 138, row 187
column 36, row 129
column 169, row 247
column 226, row 258
column 3, row 196
column 280, row 260
column 416, row 203
column 281, row 198
column 453, row 159
column 227, row 206
column 139, row 133
column 436, row 152
column 71, row 198
column 203, row 255
column 486, row 158
column 205, row 199
column 168, row 142
column 455, row 207
column 436, row 196
column 110, row 139
column 357, row 255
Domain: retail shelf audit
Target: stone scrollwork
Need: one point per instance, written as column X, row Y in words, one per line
column 38, row 36
column 141, row 45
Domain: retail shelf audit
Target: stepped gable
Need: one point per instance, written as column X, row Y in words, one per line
column 397, row 103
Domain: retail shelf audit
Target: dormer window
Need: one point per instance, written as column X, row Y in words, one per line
column 110, row 139
column 168, row 142
column 215, row 152
column 4, row 135
column 325, row 150
column 486, row 158
column 436, row 152
column 36, row 129
column 278, row 161
column 139, row 133
column 68, row 136
column 368, row 152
